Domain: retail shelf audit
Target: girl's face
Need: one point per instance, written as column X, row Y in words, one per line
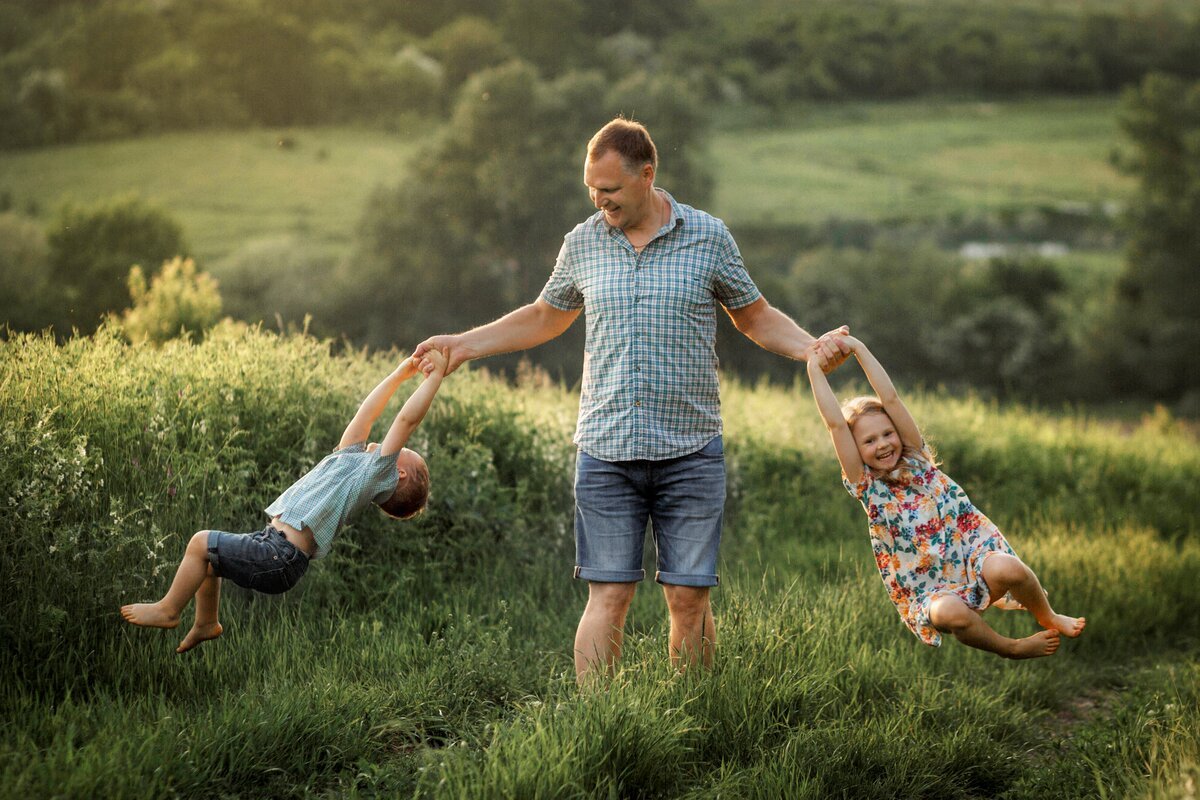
column 878, row 443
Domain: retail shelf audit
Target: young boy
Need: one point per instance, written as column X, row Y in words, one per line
column 305, row 518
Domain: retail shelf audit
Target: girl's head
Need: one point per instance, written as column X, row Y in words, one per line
column 878, row 441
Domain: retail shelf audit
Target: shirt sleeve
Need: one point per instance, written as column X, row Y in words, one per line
column 733, row 285
column 560, row 290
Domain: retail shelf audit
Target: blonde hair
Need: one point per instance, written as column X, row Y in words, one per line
column 856, row 408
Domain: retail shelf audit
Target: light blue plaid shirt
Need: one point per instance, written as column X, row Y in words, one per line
column 335, row 491
column 650, row 388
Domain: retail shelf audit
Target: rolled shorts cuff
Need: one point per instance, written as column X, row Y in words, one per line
column 214, row 558
column 610, row 575
column 679, row 579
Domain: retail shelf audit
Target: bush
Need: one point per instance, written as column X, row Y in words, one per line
column 180, row 301
column 24, row 255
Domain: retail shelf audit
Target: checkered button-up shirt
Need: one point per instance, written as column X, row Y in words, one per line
column 335, row 491
column 650, row 387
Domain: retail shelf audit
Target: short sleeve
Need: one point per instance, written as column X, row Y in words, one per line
column 560, row 290
column 733, row 286
column 859, row 490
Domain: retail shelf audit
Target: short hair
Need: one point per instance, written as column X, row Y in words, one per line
column 629, row 139
column 411, row 494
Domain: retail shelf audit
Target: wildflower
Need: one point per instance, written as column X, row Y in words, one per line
column 171, row 491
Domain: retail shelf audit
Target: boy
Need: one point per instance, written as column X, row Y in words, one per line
column 305, row 518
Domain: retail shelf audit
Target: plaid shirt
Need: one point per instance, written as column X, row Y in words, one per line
column 335, row 491
column 650, row 387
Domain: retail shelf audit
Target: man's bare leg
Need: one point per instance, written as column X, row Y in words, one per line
column 950, row 614
column 1005, row 574
column 693, row 634
column 600, row 634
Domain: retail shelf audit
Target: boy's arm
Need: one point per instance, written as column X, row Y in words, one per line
column 372, row 406
column 835, row 423
column 906, row 426
column 414, row 408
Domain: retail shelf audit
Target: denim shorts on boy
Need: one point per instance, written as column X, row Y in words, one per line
column 264, row 561
column 683, row 497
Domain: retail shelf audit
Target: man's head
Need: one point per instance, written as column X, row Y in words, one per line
column 412, row 489
column 619, row 172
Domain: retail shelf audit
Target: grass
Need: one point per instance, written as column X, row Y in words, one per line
column 916, row 160
column 433, row 659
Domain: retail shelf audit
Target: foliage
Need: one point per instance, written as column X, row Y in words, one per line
column 24, row 255
column 179, row 301
column 1153, row 334
column 92, row 248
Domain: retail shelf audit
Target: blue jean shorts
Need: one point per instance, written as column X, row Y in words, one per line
column 265, row 561
column 683, row 498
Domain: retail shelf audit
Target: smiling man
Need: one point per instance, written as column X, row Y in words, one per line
column 650, row 273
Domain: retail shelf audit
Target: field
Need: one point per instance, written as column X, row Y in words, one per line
column 432, row 658
column 862, row 161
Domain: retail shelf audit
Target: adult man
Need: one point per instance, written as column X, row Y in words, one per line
column 649, row 272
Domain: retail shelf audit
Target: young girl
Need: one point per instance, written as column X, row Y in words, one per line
column 942, row 561
column 306, row 518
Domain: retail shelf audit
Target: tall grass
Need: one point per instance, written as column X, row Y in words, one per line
column 433, row 658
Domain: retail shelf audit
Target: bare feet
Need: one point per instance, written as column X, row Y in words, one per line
column 1067, row 626
column 1008, row 603
column 149, row 615
column 198, row 634
column 1044, row 643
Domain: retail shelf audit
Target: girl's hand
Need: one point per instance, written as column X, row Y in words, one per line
column 406, row 368
column 434, row 360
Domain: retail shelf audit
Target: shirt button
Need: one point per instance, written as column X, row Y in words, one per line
column 637, row 402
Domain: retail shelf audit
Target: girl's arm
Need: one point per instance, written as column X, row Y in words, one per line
column 413, row 410
column 906, row 426
column 835, row 423
column 372, row 406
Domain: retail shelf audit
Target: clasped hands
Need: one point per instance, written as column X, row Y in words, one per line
column 832, row 349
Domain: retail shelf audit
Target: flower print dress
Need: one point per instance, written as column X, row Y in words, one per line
column 928, row 540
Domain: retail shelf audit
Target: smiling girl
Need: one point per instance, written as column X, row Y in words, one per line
column 942, row 561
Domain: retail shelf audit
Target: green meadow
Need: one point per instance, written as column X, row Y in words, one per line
column 871, row 161
column 432, row 658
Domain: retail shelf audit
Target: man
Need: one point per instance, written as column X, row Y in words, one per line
column 650, row 272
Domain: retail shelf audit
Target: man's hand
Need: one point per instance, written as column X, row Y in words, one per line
column 451, row 347
column 832, row 349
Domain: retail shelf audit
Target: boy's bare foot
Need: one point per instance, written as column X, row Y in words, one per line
column 1044, row 643
column 149, row 615
column 198, row 634
column 1007, row 603
column 1067, row 626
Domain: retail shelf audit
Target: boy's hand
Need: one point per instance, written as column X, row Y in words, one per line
column 434, row 360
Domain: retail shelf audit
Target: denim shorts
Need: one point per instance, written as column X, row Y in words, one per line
column 265, row 561
column 683, row 498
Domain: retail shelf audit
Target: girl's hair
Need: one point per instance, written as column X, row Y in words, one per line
column 856, row 408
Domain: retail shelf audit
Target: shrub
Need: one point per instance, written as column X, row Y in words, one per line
column 180, row 300
column 23, row 258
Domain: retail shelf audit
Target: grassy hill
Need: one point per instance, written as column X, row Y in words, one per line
column 871, row 161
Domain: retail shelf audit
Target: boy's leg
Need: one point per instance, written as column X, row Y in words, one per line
column 192, row 572
column 1004, row 573
column 950, row 614
column 205, row 626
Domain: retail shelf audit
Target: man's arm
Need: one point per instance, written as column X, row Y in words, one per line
column 526, row 327
column 772, row 330
column 414, row 408
column 372, row 406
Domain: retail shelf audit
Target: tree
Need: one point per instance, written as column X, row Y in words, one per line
column 92, row 249
column 1156, row 310
column 23, row 257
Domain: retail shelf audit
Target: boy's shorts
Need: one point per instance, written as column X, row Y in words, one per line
column 265, row 561
column 683, row 497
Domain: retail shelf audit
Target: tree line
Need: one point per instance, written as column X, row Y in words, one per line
column 71, row 71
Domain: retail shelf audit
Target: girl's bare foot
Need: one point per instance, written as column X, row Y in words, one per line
column 149, row 615
column 1067, row 626
column 1007, row 603
column 1044, row 643
column 198, row 634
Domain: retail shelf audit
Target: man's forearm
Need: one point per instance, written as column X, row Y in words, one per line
column 775, row 331
column 526, row 327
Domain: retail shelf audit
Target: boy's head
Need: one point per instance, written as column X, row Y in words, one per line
column 412, row 489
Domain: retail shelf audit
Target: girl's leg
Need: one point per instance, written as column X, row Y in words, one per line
column 206, row 626
column 193, row 571
column 950, row 614
column 1005, row 573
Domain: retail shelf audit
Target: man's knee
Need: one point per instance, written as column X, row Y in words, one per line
column 687, row 601
column 611, row 599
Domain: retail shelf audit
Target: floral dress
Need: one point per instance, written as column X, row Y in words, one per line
column 928, row 538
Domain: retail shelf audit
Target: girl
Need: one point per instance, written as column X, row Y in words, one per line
column 942, row 561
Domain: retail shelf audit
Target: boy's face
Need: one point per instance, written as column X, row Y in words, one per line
column 406, row 461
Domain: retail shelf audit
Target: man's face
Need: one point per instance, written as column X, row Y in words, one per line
column 623, row 197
